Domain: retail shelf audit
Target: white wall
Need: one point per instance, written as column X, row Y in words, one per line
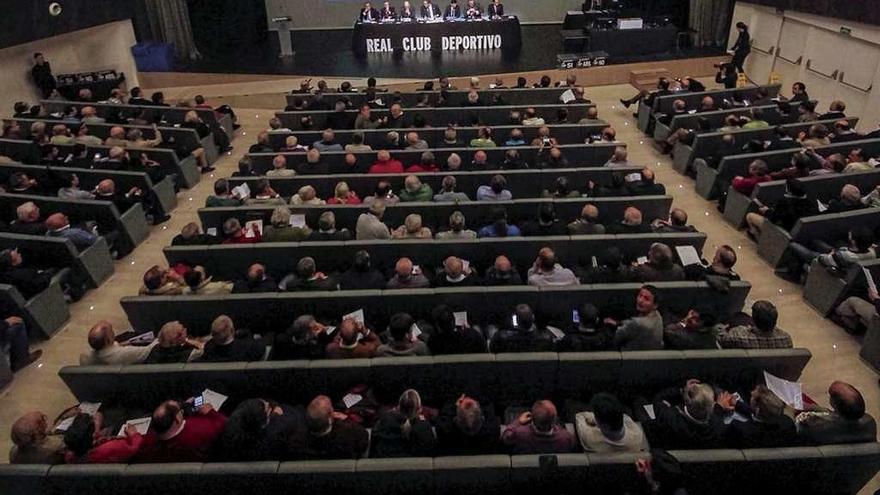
column 102, row 47
column 787, row 43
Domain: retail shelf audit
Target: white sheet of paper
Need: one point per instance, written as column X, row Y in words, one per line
column 688, row 255
column 790, row 392
column 416, row 331
column 242, row 192
column 90, row 408
column 461, row 319
column 351, row 399
column 252, row 227
column 642, row 260
column 594, row 262
column 822, row 206
column 215, row 399
column 144, row 338
column 649, row 408
column 465, row 265
column 65, row 425
column 357, row 316
column 567, row 96
column 298, row 221
column 633, row 177
column 557, row 333
column 735, row 417
column 870, row 278
column 691, row 112
column 212, row 231
column 142, row 425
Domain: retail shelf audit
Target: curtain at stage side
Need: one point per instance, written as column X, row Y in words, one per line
column 169, row 20
column 711, row 21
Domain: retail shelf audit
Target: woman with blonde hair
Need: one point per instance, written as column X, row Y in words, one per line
column 343, row 195
column 412, row 229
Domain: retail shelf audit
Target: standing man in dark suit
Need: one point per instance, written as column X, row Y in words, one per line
column 42, row 75
column 388, row 12
column 742, row 47
column 430, row 11
column 495, row 9
column 368, row 13
column 453, row 11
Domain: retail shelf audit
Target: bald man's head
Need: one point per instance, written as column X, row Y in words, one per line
column 632, row 216
column 404, row 267
column 590, row 212
column 847, row 400
column 502, row 264
column 57, row 221
column 101, row 335
column 319, row 415
column 30, row 429
column 106, row 187
column 543, row 415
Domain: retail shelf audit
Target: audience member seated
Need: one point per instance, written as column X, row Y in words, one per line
column 385, row 165
column 407, row 276
column 181, row 433
column 696, row 331
column 661, row 266
column 561, row 190
column 383, row 191
column 199, row 284
column 353, row 341
column 34, row 443
column 307, row 278
column 646, row 186
column 279, row 168
column 722, row 266
column 257, row 430
column 159, row 282
column 362, row 275
column 502, row 273
column 448, row 193
column 329, row 434
column 403, row 342
column 845, row 422
column 58, row 225
column 174, row 346
column 767, row 427
column 643, row 332
column 588, row 223
column 327, row 230
column 28, row 280
column 191, row 235
column 785, row 213
column 631, row 224
column 404, row 430
column 87, row 444
column 222, row 197
column 607, row 429
column 619, row 158
column 412, row 229
column 587, row 332
column 226, row 347
column 280, row 229
column 369, row 224
column 456, row 274
column 685, row 419
column 547, row 224
column 449, row 338
column 306, row 196
column 256, row 281
column 676, row 224
column 495, row 191
column 464, row 428
column 415, row 191
column 499, row 226
column 538, row 432
column 28, row 220
column 758, row 173
column 545, row 271
column 521, row 334
column 327, row 142
column 264, row 195
column 343, row 195
column 610, row 269
column 762, row 333
column 236, row 234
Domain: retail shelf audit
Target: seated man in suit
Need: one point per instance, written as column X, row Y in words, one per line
column 538, row 432
column 453, row 11
column 685, row 419
column 27, row 220
column 845, row 422
column 368, row 13
column 329, row 435
column 388, row 13
column 473, row 10
column 495, row 9
column 429, row 11
column 28, row 280
column 224, row 347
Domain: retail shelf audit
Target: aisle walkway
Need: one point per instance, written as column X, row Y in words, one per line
column 835, row 354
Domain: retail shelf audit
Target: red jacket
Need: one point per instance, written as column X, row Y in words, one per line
column 418, row 167
column 192, row 444
column 390, row 167
column 745, row 185
column 113, row 451
column 352, row 199
column 243, row 239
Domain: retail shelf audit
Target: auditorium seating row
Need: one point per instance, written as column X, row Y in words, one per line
column 520, row 183
column 186, row 170
column 831, row 469
column 563, row 133
column 709, row 144
column 772, row 116
column 275, row 311
column 131, row 225
column 89, row 179
column 711, row 182
column 524, row 96
column 578, row 155
column 437, row 117
column 171, row 115
column 662, row 105
column 434, row 215
column 173, row 137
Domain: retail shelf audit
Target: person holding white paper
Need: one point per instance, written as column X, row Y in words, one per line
column 281, row 230
column 403, row 342
column 179, row 433
column 456, row 274
column 767, row 427
column 761, row 334
column 34, row 443
column 353, row 341
column 85, row 447
column 222, row 196
column 408, row 276
column 235, row 234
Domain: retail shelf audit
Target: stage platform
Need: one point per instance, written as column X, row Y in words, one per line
column 329, row 53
